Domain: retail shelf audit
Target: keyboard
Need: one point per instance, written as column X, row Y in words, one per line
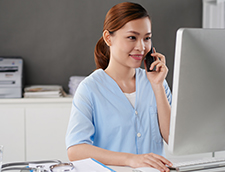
column 199, row 164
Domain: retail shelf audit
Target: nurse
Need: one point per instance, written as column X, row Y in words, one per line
column 121, row 113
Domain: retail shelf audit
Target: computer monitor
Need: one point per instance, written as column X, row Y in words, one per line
column 198, row 105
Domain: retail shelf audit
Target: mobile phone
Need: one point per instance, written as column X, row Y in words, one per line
column 149, row 60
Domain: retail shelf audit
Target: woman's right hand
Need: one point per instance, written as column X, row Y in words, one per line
column 149, row 160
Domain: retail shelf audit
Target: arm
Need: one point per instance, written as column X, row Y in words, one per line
column 83, row 151
column 107, row 157
column 164, row 110
column 157, row 78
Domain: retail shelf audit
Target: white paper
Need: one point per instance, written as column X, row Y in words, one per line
column 88, row 165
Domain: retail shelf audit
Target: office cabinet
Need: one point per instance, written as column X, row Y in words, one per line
column 34, row 129
column 12, row 135
column 45, row 133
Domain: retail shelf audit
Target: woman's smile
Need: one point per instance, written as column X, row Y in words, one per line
column 136, row 56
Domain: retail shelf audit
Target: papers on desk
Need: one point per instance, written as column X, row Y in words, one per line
column 44, row 91
column 90, row 165
column 85, row 165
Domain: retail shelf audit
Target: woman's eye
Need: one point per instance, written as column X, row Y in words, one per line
column 132, row 37
column 148, row 38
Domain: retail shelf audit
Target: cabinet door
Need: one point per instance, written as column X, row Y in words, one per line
column 12, row 134
column 45, row 133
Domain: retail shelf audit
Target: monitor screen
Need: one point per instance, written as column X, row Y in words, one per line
column 197, row 122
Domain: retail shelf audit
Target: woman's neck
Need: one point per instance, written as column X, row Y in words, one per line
column 124, row 77
column 121, row 73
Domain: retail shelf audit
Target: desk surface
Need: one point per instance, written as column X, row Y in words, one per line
column 128, row 169
column 121, row 169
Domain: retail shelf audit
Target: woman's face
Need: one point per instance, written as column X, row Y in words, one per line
column 131, row 43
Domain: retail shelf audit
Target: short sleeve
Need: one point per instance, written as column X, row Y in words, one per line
column 80, row 128
column 168, row 92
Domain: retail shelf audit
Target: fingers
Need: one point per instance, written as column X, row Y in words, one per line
column 158, row 56
column 160, row 60
column 150, row 160
column 158, row 162
column 158, row 65
column 164, row 160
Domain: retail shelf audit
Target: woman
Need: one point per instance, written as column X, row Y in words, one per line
column 121, row 112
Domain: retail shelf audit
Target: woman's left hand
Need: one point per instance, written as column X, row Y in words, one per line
column 157, row 77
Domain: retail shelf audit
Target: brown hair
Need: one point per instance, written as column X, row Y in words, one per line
column 115, row 19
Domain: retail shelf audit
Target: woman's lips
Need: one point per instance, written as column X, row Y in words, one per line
column 137, row 56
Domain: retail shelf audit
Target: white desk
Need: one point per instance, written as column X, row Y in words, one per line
column 121, row 169
column 180, row 159
column 128, row 169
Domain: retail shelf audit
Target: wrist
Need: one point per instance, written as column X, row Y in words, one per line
column 128, row 159
column 157, row 87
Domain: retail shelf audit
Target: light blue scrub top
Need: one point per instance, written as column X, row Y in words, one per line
column 101, row 115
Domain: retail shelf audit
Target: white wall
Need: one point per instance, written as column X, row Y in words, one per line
column 213, row 14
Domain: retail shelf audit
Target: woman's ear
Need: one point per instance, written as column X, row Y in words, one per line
column 107, row 37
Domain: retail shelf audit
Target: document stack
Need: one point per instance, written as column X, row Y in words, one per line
column 74, row 82
column 44, row 91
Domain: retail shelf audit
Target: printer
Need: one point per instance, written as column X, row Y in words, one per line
column 11, row 77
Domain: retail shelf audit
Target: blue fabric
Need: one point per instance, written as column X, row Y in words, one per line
column 101, row 115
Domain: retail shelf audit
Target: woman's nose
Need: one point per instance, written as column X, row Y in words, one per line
column 140, row 46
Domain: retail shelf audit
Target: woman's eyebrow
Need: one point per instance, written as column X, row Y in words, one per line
column 136, row 33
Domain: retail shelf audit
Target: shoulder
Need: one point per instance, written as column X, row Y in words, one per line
column 92, row 82
column 88, row 86
column 95, row 78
